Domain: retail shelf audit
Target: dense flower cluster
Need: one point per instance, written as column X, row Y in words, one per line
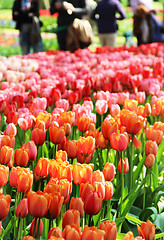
column 79, row 143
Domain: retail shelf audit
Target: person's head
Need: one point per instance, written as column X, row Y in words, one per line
column 141, row 11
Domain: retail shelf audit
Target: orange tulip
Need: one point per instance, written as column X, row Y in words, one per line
column 55, row 205
column 110, row 230
column 28, row 237
column 4, row 173
column 151, row 147
column 136, row 142
column 22, row 209
column 98, row 176
column 130, row 104
column 82, row 173
column 92, row 233
column 32, row 149
column 40, row 225
column 6, row 154
column 62, row 155
column 119, row 142
column 55, row 232
column 71, row 232
column 128, row 236
column 41, row 168
column 11, row 130
column 99, row 187
column 108, row 190
column 154, row 134
column 86, row 145
column 56, row 133
column 102, row 142
column 94, row 134
column 65, row 172
column 108, row 127
column 66, row 117
column 4, row 206
column 67, row 129
column 37, row 204
column 83, row 123
column 133, row 123
column 78, row 204
column 92, row 203
column 147, row 230
column 7, row 141
column 45, row 117
column 71, row 217
column 109, row 171
column 22, row 178
column 21, row 157
column 125, row 165
column 149, row 160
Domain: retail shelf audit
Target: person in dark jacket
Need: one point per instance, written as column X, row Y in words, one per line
column 106, row 16
column 23, row 12
column 67, row 12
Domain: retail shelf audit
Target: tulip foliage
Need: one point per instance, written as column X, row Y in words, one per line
column 81, row 144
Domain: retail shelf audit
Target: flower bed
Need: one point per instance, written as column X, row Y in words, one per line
column 81, row 145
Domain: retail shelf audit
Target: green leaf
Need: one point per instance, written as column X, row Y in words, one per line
column 120, row 235
column 9, row 227
column 149, row 212
column 159, row 222
column 133, row 218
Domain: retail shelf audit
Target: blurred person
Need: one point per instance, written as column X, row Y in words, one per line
column 106, row 15
column 23, row 13
column 67, row 12
column 142, row 25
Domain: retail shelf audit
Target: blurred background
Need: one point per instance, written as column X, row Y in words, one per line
column 9, row 44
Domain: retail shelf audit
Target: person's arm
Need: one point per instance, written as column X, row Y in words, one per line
column 121, row 11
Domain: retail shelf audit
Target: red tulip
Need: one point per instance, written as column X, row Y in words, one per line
column 22, row 209
column 92, row 203
column 38, row 225
column 55, row 205
column 149, row 160
column 125, row 165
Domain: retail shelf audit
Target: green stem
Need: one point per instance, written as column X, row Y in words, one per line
column 122, row 184
column 131, row 166
column 50, row 223
column 18, row 228
column 38, row 228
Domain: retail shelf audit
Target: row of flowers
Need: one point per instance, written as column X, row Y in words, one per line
column 81, row 144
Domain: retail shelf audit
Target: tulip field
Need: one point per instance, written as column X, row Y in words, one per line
column 81, row 144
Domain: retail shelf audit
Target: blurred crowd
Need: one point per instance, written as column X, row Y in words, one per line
column 105, row 13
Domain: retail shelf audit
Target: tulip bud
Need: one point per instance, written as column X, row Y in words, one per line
column 22, row 209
